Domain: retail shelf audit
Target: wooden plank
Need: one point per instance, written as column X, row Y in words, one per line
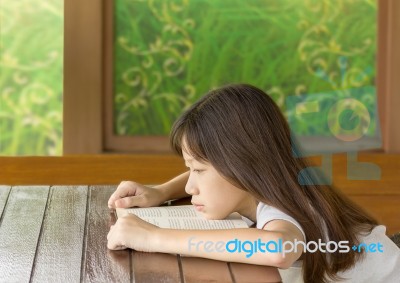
column 155, row 267
column 20, row 230
column 154, row 169
column 384, row 208
column 387, row 164
column 254, row 273
column 83, row 80
column 201, row 269
column 101, row 264
column 4, row 192
column 382, row 76
column 63, row 232
column 89, row 169
column 388, row 64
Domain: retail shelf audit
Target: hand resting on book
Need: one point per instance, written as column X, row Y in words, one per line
column 132, row 232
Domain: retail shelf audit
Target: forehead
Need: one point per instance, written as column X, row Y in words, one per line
column 187, row 156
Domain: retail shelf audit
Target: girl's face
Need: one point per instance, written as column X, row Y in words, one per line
column 212, row 195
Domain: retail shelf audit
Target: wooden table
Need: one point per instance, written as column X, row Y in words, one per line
column 58, row 234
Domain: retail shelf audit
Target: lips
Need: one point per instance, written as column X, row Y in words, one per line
column 197, row 206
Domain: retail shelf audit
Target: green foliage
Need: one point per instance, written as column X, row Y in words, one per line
column 169, row 53
column 31, row 52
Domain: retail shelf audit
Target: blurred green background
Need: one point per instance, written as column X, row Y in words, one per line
column 169, row 53
column 31, row 54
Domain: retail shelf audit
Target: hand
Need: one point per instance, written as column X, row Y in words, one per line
column 132, row 232
column 129, row 194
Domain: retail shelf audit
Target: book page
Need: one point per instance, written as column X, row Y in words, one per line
column 182, row 217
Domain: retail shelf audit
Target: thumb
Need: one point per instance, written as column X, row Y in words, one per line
column 127, row 202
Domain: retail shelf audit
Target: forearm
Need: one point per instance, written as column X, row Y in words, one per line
column 212, row 244
column 175, row 188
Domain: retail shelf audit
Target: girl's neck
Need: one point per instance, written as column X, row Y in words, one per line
column 248, row 209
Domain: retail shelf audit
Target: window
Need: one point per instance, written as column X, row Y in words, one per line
column 31, row 52
column 340, row 64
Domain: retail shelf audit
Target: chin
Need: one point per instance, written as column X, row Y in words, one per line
column 211, row 216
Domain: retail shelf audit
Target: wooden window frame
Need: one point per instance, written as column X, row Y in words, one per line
column 88, row 81
column 111, row 141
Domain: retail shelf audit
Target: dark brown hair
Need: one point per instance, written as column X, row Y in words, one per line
column 242, row 133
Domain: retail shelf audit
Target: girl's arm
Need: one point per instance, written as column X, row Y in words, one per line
column 133, row 232
column 175, row 188
column 129, row 194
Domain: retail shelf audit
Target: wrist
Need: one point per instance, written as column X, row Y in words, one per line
column 165, row 194
column 157, row 240
column 166, row 240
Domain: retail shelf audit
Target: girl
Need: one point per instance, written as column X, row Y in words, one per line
column 237, row 145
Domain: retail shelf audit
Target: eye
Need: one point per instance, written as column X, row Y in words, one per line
column 197, row 171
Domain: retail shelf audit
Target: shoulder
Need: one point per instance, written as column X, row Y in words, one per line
column 271, row 218
column 286, row 228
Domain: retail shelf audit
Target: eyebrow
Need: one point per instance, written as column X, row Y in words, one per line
column 193, row 159
column 196, row 160
column 187, row 162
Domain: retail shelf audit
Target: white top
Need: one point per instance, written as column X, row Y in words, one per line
column 374, row 267
column 267, row 213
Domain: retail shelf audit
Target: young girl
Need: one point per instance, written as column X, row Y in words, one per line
column 237, row 145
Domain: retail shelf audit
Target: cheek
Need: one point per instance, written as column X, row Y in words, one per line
column 221, row 197
column 220, row 206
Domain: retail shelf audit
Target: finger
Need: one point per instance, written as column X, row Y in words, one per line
column 122, row 190
column 112, row 199
column 113, row 244
column 110, row 232
column 118, row 248
column 116, row 194
column 130, row 202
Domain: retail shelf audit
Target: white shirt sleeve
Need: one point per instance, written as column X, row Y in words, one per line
column 267, row 213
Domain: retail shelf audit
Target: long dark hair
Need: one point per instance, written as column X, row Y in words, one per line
column 242, row 133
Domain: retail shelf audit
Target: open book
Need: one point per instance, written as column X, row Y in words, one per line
column 182, row 217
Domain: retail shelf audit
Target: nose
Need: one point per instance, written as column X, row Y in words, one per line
column 191, row 186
